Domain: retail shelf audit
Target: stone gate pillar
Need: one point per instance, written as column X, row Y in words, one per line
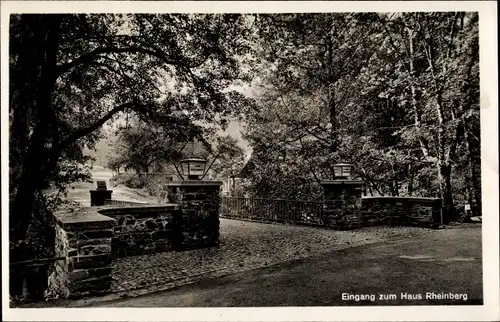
column 342, row 196
column 199, row 202
column 83, row 238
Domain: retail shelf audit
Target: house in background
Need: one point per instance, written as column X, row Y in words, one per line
column 234, row 186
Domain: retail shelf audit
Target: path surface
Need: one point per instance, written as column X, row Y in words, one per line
column 445, row 261
column 244, row 246
column 251, row 251
column 79, row 191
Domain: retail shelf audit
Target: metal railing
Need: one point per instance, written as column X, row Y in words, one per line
column 38, row 261
column 274, row 210
column 122, row 203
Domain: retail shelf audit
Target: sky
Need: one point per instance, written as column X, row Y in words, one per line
column 234, row 130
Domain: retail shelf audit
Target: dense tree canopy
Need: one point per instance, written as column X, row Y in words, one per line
column 141, row 146
column 397, row 95
column 72, row 73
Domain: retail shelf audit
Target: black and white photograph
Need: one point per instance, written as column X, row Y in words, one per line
column 299, row 157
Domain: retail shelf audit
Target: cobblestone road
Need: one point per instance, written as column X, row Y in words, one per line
column 244, row 246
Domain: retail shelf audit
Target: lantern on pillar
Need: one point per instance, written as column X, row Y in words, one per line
column 342, row 170
column 193, row 168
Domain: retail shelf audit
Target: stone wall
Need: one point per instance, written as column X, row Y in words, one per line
column 400, row 211
column 84, row 238
column 144, row 229
column 89, row 238
column 199, row 202
column 345, row 208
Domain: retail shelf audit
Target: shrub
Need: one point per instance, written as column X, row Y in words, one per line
column 128, row 180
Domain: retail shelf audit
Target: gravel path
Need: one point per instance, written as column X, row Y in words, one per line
column 79, row 191
column 244, row 246
column 417, row 265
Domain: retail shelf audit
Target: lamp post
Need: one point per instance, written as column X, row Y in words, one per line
column 342, row 170
column 199, row 202
column 193, row 168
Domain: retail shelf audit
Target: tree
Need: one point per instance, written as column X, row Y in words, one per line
column 311, row 87
column 406, row 100
column 438, row 64
column 70, row 74
column 315, row 55
column 141, row 146
column 225, row 157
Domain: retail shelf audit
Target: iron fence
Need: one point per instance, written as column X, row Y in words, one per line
column 274, row 210
column 122, row 203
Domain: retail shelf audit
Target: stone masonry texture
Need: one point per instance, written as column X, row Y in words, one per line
column 180, row 243
column 343, row 207
column 400, row 211
column 90, row 238
column 84, row 238
column 199, row 202
column 144, row 229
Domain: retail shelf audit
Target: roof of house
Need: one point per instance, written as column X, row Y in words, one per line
column 195, row 149
column 247, row 169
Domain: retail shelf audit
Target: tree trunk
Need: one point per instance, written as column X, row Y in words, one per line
column 34, row 166
column 369, row 189
column 470, row 174
column 23, row 80
column 331, row 98
column 478, row 211
column 473, row 178
column 410, row 180
column 444, row 176
column 443, row 146
column 416, row 111
column 30, row 179
column 27, row 51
